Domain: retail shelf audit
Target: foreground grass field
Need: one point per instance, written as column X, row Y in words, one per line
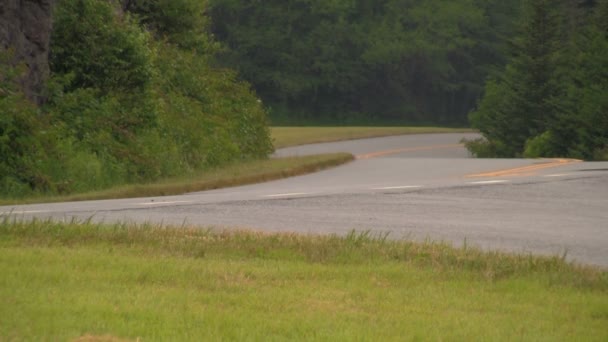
column 66, row 281
column 291, row 136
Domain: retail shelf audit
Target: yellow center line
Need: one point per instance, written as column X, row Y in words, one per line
column 525, row 170
column 403, row 150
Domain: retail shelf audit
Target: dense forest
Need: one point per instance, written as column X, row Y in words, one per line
column 531, row 75
column 144, row 89
column 344, row 61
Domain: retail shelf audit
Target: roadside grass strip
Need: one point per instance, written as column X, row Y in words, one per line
column 85, row 281
column 232, row 175
column 293, row 136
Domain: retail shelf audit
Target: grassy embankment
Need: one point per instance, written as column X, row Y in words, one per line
column 248, row 172
column 232, row 175
column 290, row 136
column 65, row 281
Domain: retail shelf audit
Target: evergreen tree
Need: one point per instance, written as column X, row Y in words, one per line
column 551, row 99
column 582, row 131
column 520, row 105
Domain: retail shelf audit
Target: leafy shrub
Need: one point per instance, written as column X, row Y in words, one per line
column 21, row 149
column 481, row 147
column 540, row 146
column 245, row 116
column 99, row 48
column 601, row 153
column 180, row 22
column 212, row 116
column 123, row 108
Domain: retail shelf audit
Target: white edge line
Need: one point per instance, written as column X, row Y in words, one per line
column 287, row 195
column 498, row 181
column 159, row 203
column 558, row 175
column 24, row 212
column 398, row 187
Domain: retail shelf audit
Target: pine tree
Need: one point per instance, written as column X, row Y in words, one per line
column 582, row 129
column 519, row 105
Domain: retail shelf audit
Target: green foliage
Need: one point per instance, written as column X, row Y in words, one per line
column 551, row 98
column 99, row 48
column 181, row 22
column 483, row 148
column 101, row 95
column 74, row 167
column 211, row 116
column 21, row 141
column 125, row 108
column 348, row 60
column 584, row 123
column 540, row 145
column 519, row 105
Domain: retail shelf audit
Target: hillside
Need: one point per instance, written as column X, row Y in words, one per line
column 133, row 96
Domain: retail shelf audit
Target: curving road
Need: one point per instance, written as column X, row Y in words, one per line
column 414, row 186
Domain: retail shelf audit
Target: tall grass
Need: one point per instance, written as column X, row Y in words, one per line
column 355, row 247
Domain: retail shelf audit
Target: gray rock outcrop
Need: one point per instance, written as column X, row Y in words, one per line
column 25, row 27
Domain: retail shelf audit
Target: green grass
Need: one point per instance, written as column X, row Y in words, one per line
column 231, row 175
column 64, row 281
column 291, row 136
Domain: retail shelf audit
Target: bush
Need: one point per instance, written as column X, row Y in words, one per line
column 101, row 49
column 601, row 154
column 540, row 146
column 481, row 147
column 212, row 116
column 21, row 146
column 181, row 22
column 124, row 109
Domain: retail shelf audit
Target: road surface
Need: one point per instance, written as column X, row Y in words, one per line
column 416, row 187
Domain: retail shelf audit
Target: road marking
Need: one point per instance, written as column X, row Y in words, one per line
column 498, row 181
column 558, row 175
column 410, row 149
column 160, row 203
column 398, row 187
column 23, row 212
column 526, row 170
column 287, row 195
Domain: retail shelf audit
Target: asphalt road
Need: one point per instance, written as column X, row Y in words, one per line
column 417, row 187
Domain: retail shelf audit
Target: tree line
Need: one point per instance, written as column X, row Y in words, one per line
column 402, row 61
column 531, row 75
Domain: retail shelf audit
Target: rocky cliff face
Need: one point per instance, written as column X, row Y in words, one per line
column 25, row 27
